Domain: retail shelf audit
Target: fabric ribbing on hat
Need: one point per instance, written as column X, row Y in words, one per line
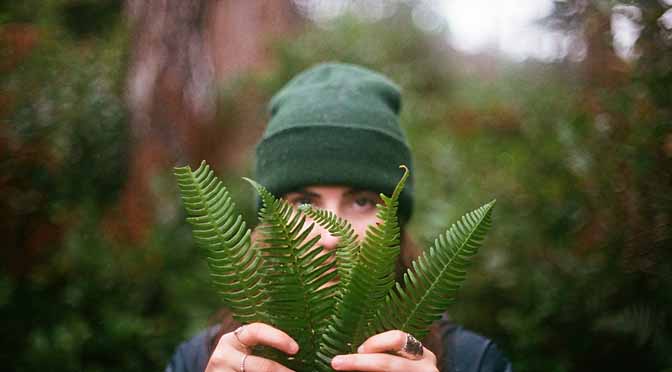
column 335, row 124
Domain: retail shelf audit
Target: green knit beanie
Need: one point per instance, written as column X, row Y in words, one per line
column 336, row 124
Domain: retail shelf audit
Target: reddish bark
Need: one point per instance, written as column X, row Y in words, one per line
column 16, row 42
column 180, row 50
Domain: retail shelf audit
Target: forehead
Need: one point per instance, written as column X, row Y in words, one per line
column 330, row 191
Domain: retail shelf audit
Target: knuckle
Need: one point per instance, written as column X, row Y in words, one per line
column 253, row 326
column 254, row 329
column 400, row 338
column 429, row 355
column 389, row 364
column 266, row 365
column 224, row 343
column 217, row 360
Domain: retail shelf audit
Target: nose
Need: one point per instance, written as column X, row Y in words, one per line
column 327, row 241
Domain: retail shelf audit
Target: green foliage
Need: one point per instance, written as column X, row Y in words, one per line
column 577, row 275
column 430, row 286
column 297, row 276
column 579, row 153
column 347, row 248
column 371, row 278
column 74, row 296
column 221, row 232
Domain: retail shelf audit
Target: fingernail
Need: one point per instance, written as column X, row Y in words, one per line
column 294, row 348
column 337, row 362
column 360, row 349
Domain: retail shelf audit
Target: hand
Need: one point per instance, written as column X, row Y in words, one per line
column 232, row 353
column 373, row 355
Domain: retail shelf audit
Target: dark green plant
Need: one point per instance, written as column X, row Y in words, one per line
column 282, row 278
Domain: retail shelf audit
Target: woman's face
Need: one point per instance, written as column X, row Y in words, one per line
column 356, row 206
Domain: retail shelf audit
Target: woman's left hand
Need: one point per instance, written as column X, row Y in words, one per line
column 373, row 355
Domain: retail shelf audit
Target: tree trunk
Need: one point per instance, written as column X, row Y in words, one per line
column 179, row 51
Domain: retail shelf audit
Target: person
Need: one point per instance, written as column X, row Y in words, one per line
column 334, row 140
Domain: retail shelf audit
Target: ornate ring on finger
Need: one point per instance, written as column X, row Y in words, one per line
column 412, row 348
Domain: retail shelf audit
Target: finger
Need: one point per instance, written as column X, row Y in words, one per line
column 238, row 361
column 262, row 334
column 255, row 363
column 382, row 342
column 374, row 362
column 391, row 341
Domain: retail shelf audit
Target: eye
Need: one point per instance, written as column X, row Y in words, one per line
column 363, row 201
column 299, row 198
column 302, row 200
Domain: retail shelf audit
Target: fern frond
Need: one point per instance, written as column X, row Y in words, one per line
column 347, row 247
column 431, row 283
column 371, row 278
column 225, row 241
column 297, row 272
column 283, row 277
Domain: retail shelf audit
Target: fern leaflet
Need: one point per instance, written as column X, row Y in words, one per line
column 371, row 277
column 222, row 235
column 347, row 247
column 434, row 278
column 286, row 280
column 297, row 273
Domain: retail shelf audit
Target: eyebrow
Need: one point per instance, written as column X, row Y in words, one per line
column 357, row 191
column 304, row 192
column 349, row 192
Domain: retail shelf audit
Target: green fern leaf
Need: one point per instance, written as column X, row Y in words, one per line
column 434, row 278
column 295, row 274
column 370, row 279
column 347, row 247
column 297, row 270
column 225, row 240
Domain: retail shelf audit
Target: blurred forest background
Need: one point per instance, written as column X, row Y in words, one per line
column 100, row 99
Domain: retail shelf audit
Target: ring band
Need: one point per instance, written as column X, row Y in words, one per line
column 412, row 348
column 236, row 333
column 242, row 362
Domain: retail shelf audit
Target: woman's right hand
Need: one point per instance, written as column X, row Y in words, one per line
column 232, row 353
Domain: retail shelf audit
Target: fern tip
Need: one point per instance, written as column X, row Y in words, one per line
column 402, row 182
column 184, row 168
column 252, row 182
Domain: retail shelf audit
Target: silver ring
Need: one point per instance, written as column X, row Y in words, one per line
column 236, row 333
column 242, row 363
column 412, row 348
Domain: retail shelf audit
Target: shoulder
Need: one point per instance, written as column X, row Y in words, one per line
column 467, row 351
column 192, row 355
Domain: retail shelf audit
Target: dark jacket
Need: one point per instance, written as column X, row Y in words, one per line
column 465, row 351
